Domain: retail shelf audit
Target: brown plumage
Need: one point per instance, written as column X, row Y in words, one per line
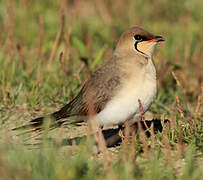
column 131, row 56
column 94, row 93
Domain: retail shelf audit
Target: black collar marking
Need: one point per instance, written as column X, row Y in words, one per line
column 136, row 47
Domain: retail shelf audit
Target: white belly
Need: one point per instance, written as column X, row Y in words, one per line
column 141, row 85
column 125, row 104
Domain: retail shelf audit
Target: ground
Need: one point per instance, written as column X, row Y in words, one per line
column 47, row 50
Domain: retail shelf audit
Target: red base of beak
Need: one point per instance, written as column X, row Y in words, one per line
column 153, row 40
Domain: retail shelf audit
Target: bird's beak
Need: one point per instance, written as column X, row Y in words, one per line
column 159, row 38
column 156, row 39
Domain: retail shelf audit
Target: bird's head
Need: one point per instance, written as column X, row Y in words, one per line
column 138, row 40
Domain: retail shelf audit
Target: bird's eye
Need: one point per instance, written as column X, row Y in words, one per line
column 138, row 37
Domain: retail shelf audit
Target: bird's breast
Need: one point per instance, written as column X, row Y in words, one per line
column 143, row 88
column 125, row 104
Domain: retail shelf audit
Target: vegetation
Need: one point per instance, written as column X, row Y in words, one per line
column 47, row 50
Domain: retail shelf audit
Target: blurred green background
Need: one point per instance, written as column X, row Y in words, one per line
column 49, row 47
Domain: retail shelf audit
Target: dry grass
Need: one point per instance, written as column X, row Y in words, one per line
column 47, row 50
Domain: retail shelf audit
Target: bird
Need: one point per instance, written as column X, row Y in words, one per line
column 111, row 94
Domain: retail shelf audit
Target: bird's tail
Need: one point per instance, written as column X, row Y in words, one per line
column 53, row 120
column 38, row 123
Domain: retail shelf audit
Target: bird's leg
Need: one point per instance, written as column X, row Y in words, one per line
column 100, row 141
column 125, row 135
column 120, row 133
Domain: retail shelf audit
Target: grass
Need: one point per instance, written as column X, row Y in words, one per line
column 48, row 48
